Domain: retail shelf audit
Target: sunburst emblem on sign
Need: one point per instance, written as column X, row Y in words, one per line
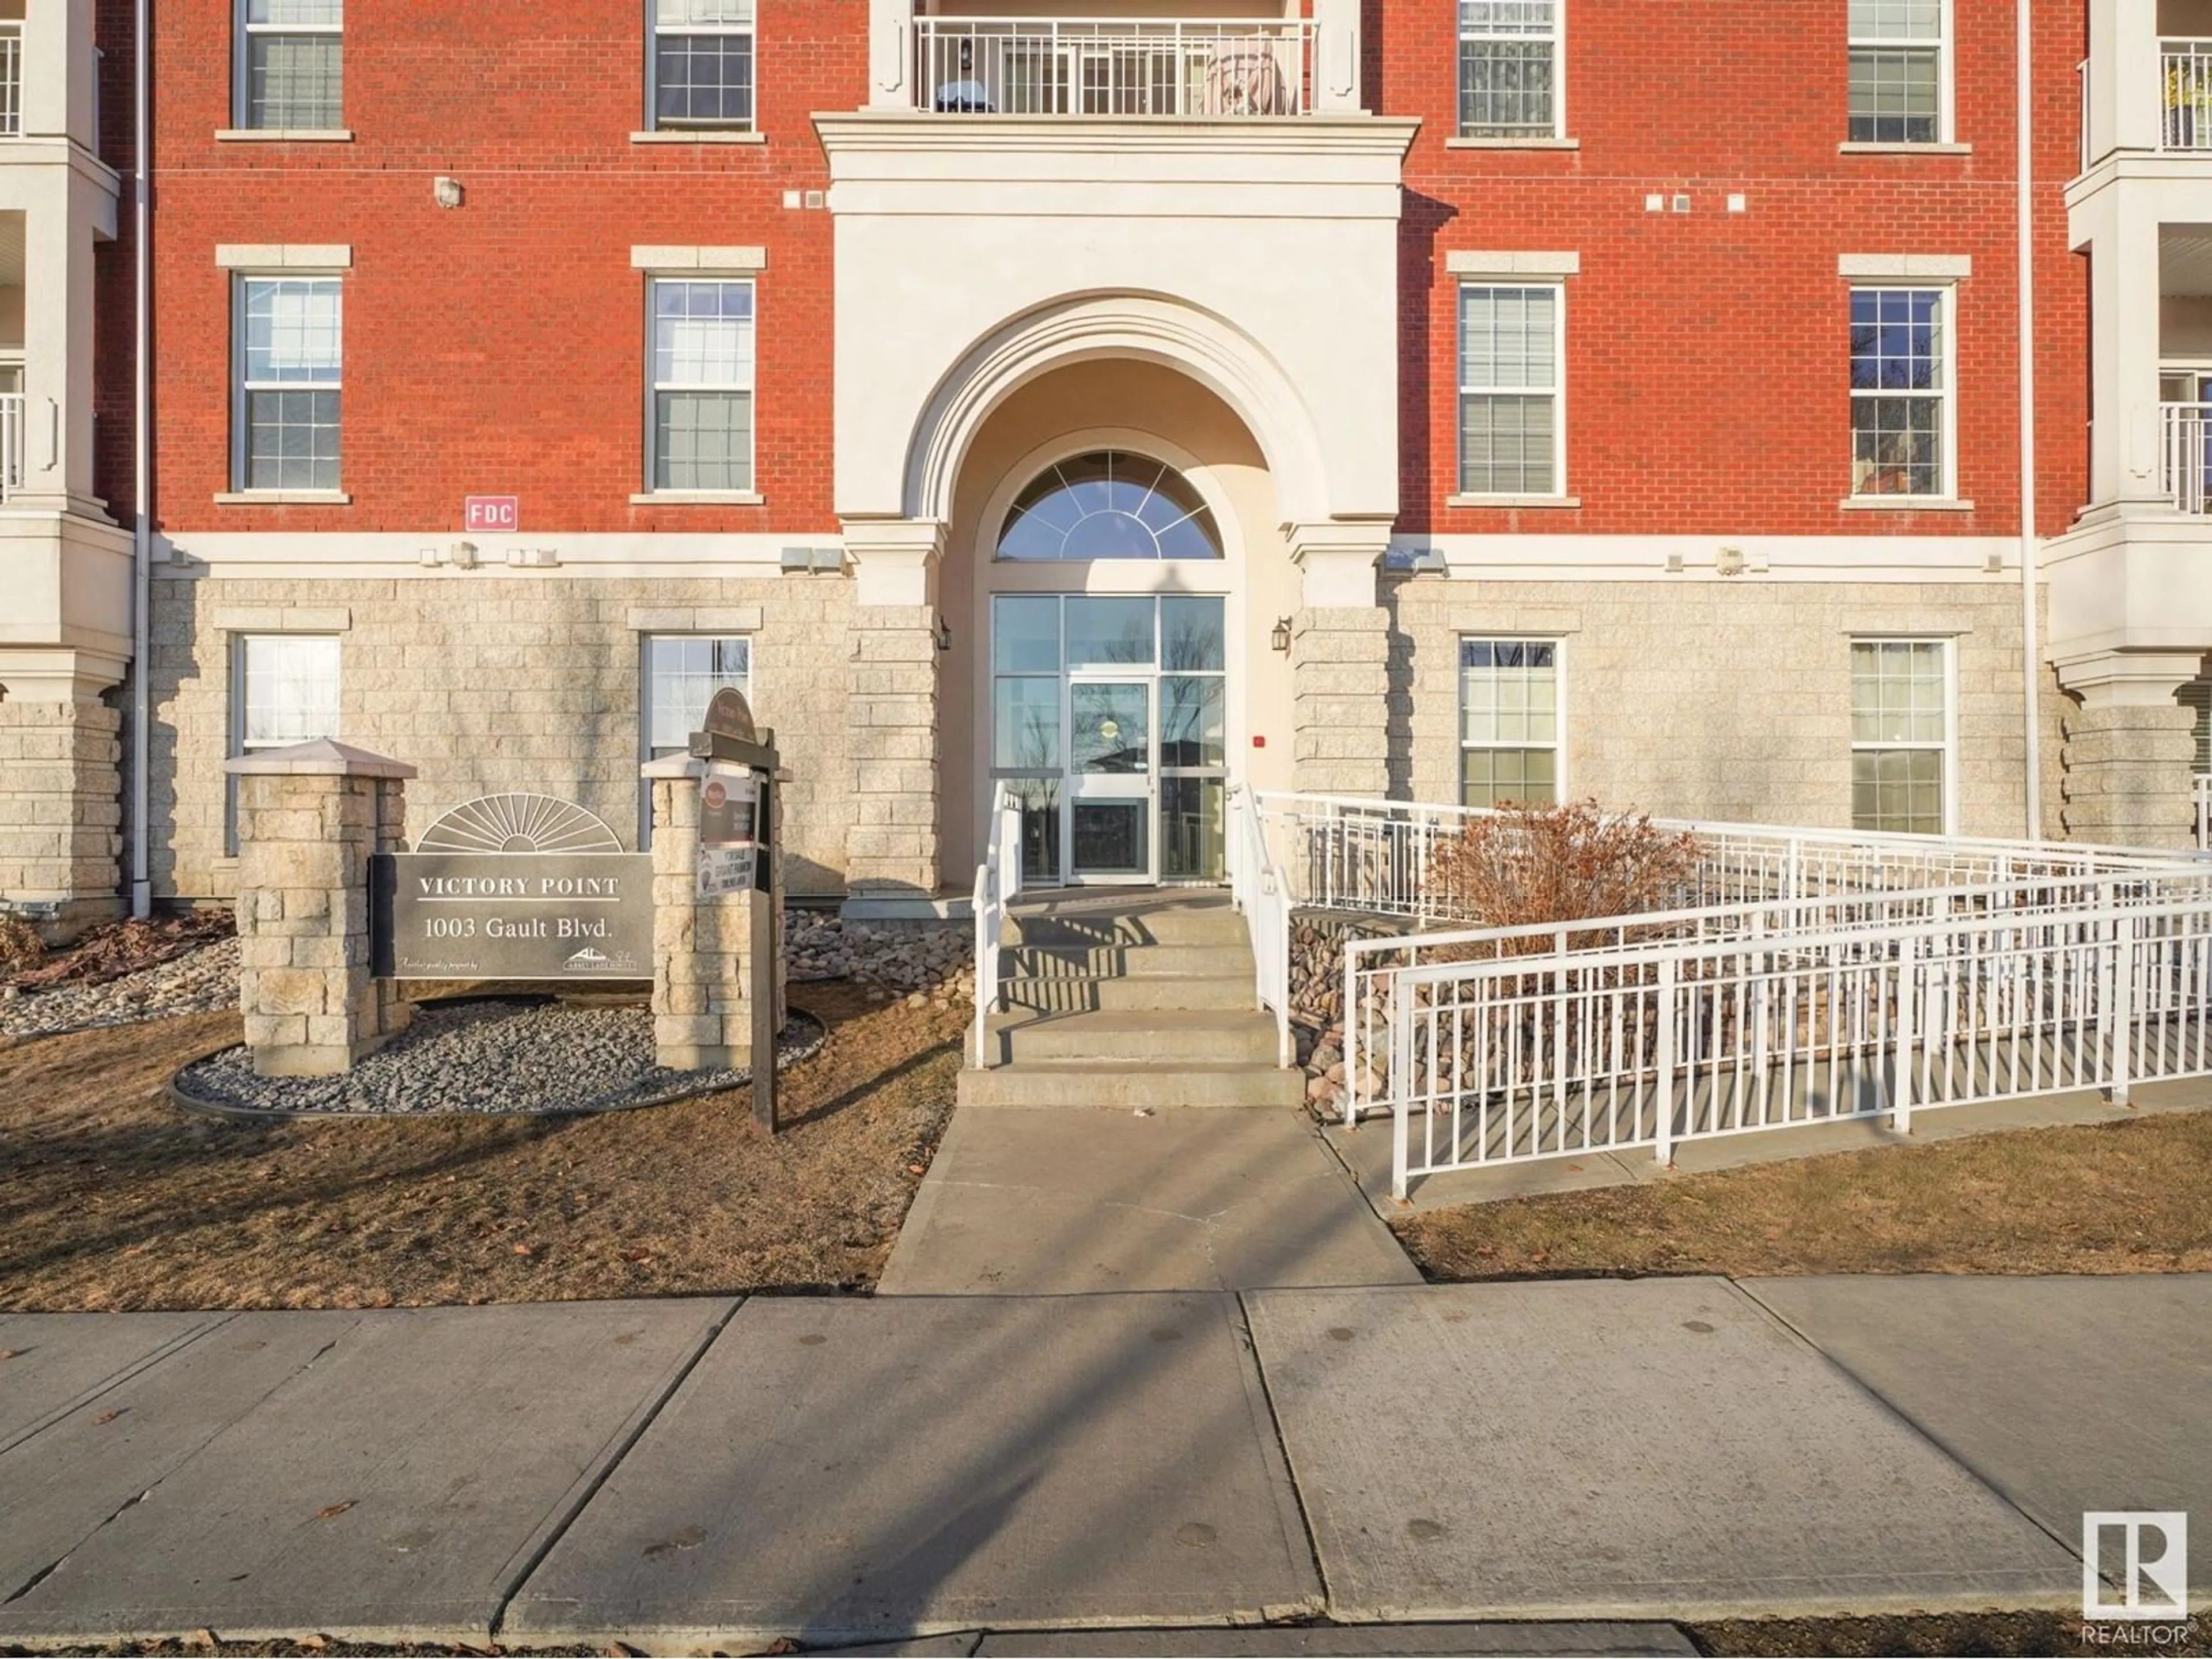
column 519, row 823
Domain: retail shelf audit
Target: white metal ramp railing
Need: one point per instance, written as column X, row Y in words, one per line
column 1514, row 1059
column 997, row 883
column 1261, row 892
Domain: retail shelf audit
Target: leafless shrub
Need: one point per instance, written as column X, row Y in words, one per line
column 21, row 947
column 1531, row 864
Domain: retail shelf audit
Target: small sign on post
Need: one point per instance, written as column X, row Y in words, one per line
column 737, row 846
column 729, row 804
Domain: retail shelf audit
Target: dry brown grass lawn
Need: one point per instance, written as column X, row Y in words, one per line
column 112, row 1198
column 2117, row 1198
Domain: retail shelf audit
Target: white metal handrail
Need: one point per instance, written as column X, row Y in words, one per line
column 1261, row 892
column 2185, row 95
column 11, row 80
column 997, row 883
column 12, row 443
column 1197, row 67
column 1506, row 1061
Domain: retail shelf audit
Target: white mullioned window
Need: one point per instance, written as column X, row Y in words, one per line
column 291, row 64
column 700, row 424
column 290, row 365
column 1512, row 349
column 1899, row 71
column 1510, row 710
column 1509, row 68
column 699, row 71
column 679, row 676
column 1904, row 369
column 283, row 690
column 1902, row 736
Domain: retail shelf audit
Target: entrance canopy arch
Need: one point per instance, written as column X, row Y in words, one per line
column 1139, row 327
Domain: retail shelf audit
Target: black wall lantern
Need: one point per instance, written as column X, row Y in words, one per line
column 1280, row 639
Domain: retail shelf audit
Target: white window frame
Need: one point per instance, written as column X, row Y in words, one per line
column 646, row 642
column 241, row 73
column 1557, row 36
column 654, row 30
column 237, row 743
column 242, row 389
column 1945, row 102
column 1558, row 285
column 654, row 491
column 1947, row 325
column 1947, row 748
column 1558, row 743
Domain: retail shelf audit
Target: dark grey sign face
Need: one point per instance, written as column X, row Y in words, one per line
column 511, row 915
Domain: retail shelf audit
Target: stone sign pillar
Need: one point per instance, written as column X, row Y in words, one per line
column 309, row 818
column 702, row 947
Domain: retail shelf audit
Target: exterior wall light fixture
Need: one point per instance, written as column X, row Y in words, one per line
column 1280, row 635
column 944, row 632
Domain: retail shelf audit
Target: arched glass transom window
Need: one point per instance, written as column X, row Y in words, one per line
column 1109, row 504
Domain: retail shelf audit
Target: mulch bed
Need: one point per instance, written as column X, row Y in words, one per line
column 116, row 948
column 112, row 1198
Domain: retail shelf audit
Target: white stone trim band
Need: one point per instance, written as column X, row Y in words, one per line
column 739, row 259
column 284, row 619
column 695, row 619
column 1464, row 262
column 1934, row 267
column 297, row 256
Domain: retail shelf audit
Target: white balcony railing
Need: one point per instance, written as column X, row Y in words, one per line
column 12, row 443
column 1114, row 66
column 2185, row 95
column 11, row 80
column 2186, row 455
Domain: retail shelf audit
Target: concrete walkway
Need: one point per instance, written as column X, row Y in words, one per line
column 1062, row 1200
column 685, row 1473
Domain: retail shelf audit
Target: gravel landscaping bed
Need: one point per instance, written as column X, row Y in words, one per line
column 499, row 1057
column 201, row 981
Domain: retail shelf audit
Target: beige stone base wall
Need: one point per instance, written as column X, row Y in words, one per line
column 1720, row 700
column 61, row 813
column 496, row 681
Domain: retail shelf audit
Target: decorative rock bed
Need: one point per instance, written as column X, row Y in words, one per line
column 497, row 1056
column 1317, row 1009
column 201, row 981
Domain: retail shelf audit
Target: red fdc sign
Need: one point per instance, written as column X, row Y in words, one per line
column 492, row 513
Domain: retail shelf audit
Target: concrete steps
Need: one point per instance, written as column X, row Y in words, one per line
column 1128, row 999
column 1065, row 1082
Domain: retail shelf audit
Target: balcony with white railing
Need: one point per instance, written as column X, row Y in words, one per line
column 2184, row 459
column 11, row 79
column 1194, row 68
column 2185, row 95
column 12, row 443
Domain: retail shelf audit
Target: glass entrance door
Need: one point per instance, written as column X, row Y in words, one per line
column 1111, row 769
column 1107, row 722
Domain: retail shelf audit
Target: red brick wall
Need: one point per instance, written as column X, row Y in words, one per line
column 1707, row 386
column 498, row 347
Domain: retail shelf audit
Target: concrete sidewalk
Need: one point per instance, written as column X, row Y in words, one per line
column 684, row 1474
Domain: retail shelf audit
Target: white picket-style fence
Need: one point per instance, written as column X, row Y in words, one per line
column 1645, row 1046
